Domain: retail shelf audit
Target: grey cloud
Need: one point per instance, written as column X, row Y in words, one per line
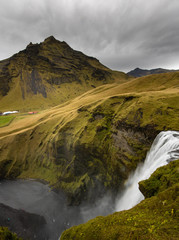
column 121, row 34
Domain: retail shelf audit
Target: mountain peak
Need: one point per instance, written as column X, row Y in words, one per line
column 138, row 72
column 53, row 41
column 50, row 39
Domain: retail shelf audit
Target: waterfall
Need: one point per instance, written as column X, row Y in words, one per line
column 164, row 149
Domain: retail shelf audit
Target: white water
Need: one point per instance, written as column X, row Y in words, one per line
column 164, row 149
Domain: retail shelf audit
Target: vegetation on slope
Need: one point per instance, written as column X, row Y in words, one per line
column 91, row 143
column 6, row 120
column 5, row 234
column 160, row 180
column 155, row 218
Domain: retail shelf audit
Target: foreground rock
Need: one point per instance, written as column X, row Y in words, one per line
column 26, row 225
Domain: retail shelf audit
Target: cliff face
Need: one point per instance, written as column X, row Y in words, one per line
column 91, row 144
column 49, row 73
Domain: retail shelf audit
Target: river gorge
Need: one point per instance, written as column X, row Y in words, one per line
column 33, row 210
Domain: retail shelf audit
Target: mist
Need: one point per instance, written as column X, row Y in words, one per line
column 35, row 197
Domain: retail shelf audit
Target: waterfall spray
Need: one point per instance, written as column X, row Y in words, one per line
column 164, row 149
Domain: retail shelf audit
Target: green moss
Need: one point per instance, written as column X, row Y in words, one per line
column 160, row 180
column 6, row 120
column 5, row 234
column 155, row 218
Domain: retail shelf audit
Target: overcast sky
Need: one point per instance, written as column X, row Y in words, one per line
column 122, row 34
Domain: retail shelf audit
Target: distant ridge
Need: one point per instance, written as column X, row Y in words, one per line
column 138, row 72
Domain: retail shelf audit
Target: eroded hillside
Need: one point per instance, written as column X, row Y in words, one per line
column 90, row 144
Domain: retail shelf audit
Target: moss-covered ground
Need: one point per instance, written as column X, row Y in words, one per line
column 155, row 218
column 5, row 234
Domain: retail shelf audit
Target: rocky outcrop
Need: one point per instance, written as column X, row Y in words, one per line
column 163, row 178
column 5, row 78
column 101, row 155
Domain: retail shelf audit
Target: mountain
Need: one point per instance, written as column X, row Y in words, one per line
column 49, row 73
column 138, row 72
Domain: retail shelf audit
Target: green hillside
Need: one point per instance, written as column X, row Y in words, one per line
column 91, row 143
column 155, row 218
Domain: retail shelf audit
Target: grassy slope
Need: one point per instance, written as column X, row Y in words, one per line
column 111, row 126
column 157, row 91
column 155, row 218
column 6, row 120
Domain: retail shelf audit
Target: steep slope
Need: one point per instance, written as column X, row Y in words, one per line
column 48, row 74
column 90, row 144
column 138, row 72
column 154, row 218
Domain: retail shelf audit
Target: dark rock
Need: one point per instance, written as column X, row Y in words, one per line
column 26, row 225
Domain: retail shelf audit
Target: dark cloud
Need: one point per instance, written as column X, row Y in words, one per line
column 121, row 34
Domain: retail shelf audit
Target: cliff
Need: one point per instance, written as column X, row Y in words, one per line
column 90, row 144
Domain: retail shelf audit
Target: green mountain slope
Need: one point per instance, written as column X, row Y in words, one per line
column 49, row 73
column 90, row 144
column 155, row 218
